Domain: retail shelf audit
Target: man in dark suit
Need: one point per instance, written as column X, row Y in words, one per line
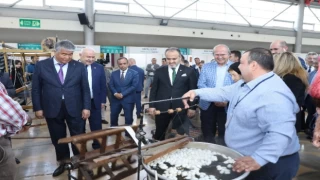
column 171, row 81
column 309, row 102
column 123, row 85
column 132, row 63
column 61, row 94
column 6, row 81
column 98, row 90
column 196, row 66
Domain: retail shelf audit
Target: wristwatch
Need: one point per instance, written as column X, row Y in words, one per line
column 28, row 123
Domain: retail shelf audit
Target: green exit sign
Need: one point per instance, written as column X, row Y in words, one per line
column 30, row 23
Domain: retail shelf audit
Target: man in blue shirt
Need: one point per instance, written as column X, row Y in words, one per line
column 261, row 118
column 31, row 66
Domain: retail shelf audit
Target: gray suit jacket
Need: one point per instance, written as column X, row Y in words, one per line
column 149, row 69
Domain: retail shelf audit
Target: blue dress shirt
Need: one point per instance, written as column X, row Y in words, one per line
column 260, row 119
column 208, row 79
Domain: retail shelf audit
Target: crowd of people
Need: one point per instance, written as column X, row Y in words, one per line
column 254, row 102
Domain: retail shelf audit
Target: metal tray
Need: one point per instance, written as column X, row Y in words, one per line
column 200, row 145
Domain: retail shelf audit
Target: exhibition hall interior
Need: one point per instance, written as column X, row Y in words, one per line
column 159, row 89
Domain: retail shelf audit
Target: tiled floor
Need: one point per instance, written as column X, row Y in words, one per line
column 37, row 155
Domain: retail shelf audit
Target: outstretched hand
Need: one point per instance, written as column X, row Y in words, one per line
column 191, row 95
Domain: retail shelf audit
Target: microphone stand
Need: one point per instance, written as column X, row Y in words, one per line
column 140, row 135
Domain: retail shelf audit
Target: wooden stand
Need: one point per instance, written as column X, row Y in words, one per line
column 8, row 50
column 110, row 158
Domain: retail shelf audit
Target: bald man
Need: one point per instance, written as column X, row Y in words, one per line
column 98, row 89
column 280, row 46
column 133, row 66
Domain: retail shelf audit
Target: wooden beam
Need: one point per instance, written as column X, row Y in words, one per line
column 31, row 54
column 21, row 51
column 173, row 147
column 6, row 62
column 26, row 107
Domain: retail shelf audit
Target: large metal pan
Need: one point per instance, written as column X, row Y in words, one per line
column 200, row 145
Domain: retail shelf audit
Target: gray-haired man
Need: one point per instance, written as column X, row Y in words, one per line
column 151, row 69
column 61, row 94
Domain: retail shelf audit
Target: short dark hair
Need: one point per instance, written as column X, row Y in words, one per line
column 32, row 57
column 235, row 67
column 164, row 59
column 122, row 58
column 236, row 53
column 186, row 62
column 262, row 56
column 17, row 62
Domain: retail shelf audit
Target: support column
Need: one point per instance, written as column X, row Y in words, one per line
column 88, row 33
column 298, row 27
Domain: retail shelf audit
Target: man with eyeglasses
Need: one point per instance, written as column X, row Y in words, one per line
column 214, row 75
column 280, row 46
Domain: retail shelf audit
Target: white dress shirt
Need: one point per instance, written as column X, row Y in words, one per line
column 311, row 69
column 64, row 69
column 89, row 70
column 221, row 74
column 124, row 74
column 170, row 72
column 151, row 73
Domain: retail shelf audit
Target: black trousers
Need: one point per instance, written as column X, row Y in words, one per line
column 58, row 129
column 163, row 121
column 285, row 169
column 311, row 108
column 211, row 118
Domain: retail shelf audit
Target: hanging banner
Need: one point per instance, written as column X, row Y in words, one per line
column 29, row 46
column 80, row 47
column 184, row 51
column 201, row 51
column 113, row 49
column 145, row 50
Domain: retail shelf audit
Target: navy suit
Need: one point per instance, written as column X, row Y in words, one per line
column 309, row 102
column 99, row 89
column 6, row 81
column 127, row 88
column 196, row 71
column 139, row 88
column 47, row 92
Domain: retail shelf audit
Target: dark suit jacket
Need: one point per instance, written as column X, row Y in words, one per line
column 47, row 89
column 162, row 88
column 126, row 88
column 141, row 77
column 99, row 84
column 296, row 86
column 6, row 81
column 311, row 76
column 196, row 71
